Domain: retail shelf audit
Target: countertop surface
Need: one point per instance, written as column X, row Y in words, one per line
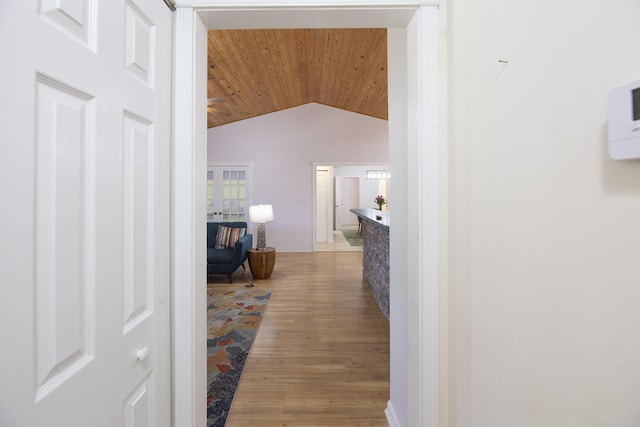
column 370, row 215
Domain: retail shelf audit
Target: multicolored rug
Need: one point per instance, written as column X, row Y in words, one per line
column 352, row 237
column 233, row 320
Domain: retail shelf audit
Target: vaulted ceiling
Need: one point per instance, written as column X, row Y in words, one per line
column 255, row 72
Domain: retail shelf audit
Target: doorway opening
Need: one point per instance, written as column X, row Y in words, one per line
column 341, row 187
column 418, row 158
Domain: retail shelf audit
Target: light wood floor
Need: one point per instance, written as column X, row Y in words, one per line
column 339, row 242
column 321, row 357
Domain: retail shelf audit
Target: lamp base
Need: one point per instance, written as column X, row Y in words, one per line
column 261, row 244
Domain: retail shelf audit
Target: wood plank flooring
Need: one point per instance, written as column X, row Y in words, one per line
column 321, row 357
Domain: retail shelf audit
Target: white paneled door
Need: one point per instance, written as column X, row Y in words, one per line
column 349, row 199
column 85, row 253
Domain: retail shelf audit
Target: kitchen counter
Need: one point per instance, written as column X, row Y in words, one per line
column 375, row 254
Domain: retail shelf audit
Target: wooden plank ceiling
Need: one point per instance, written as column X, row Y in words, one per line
column 254, row 72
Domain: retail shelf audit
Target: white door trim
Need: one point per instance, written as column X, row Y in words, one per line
column 426, row 196
column 328, row 225
column 189, row 344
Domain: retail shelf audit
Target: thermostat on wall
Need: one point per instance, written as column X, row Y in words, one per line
column 624, row 121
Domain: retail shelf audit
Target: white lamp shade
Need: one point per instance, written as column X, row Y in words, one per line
column 261, row 213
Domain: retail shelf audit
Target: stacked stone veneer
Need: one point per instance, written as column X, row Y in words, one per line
column 375, row 262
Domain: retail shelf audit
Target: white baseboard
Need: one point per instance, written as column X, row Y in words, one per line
column 392, row 419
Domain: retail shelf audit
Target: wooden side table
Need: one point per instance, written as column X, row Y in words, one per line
column 261, row 262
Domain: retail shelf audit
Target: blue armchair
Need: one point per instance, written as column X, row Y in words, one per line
column 226, row 261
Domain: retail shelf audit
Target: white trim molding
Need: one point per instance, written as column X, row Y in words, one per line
column 189, row 384
column 429, row 229
column 390, row 413
column 347, row 4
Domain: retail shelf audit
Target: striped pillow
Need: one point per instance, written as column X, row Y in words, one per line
column 228, row 236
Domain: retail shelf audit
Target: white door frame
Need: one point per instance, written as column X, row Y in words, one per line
column 329, row 201
column 418, row 379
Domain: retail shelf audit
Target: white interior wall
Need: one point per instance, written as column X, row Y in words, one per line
column 283, row 147
column 545, row 242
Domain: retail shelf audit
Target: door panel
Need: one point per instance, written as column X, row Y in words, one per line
column 64, row 287
column 140, row 178
column 85, row 186
column 234, row 198
column 139, row 54
column 75, row 18
column 350, row 198
column 55, row 339
column 138, row 405
column 138, row 202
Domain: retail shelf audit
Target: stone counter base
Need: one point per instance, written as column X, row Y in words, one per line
column 375, row 263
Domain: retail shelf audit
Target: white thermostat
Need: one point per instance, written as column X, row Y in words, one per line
column 624, row 121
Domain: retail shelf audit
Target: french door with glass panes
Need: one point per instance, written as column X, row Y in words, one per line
column 228, row 193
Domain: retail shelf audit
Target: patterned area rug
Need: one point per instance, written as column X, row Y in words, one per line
column 233, row 320
column 352, row 236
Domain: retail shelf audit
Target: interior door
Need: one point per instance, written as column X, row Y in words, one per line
column 349, row 199
column 139, row 182
column 85, row 187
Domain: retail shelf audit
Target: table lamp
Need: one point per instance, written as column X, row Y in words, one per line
column 261, row 214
